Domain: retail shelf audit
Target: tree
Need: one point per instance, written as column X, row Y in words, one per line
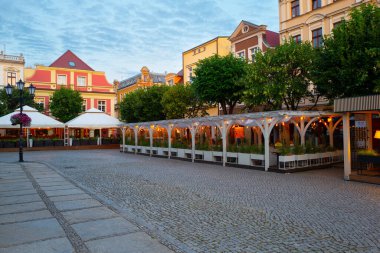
column 143, row 104
column 217, row 80
column 9, row 104
column 66, row 104
column 180, row 101
column 348, row 64
column 280, row 76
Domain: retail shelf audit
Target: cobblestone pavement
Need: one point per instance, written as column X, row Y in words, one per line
column 209, row 208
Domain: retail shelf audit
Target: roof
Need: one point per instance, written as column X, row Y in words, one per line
column 239, row 27
column 272, row 38
column 246, row 119
column 39, row 120
column 180, row 73
column 353, row 104
column 71, row 61
column 216, row 38
column 157, row 78
column 93, row 119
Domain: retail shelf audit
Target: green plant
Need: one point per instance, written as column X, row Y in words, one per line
column 368, row 152
column 298, row 150
column 285, row 150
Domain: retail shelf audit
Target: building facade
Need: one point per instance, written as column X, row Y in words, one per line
column 11, row 69
column 69, row 71
column 219, row 45
column 248, row 39
column 310, row 20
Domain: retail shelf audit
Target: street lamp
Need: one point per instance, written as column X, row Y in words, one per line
column 20, row 86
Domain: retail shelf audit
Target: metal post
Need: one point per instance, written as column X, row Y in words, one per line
column 21, row 155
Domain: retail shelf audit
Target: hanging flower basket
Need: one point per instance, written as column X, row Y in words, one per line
column 19, row 118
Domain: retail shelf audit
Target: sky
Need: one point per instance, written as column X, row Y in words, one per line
column 119, row 37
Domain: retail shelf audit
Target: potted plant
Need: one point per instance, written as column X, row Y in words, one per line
column 369, row 156
column 21, row 118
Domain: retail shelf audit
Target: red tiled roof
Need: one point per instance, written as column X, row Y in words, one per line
column 272, row 38
column 71, row 61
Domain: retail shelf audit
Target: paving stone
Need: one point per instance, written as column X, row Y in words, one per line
column 19, row 217
column 70, row 197
column 19, row 199
column 59, row 187
column 135, row 242
column 77, row 216
column 63, row 192
column 59, row 245
column 29, row 231
column 108, row 227
column 76, row 204
column 17, row 192
column 24, row 207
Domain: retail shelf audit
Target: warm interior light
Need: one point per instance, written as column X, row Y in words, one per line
column 377, row 134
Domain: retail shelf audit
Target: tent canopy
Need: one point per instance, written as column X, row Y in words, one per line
column 94, row 119
column 39, row 120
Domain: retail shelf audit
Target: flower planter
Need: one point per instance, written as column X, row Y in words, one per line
column 369, row 159
column 9, row 144
column 217, row 156
column 58, row 143
column 244, row 159
column 173, row 152
column 207, row 156
column 76, row 142
column 38, row 143
column 181, row 153
column 83, row 142
column 92, row 142
column 48, row 143
column 257, row 159
column 232, row 157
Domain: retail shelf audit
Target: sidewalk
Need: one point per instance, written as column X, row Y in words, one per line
column 41, row 211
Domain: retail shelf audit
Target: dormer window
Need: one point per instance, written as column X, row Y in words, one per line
column 245, row 29
column 71, row 64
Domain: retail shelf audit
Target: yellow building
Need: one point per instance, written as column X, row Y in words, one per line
column 219, row 45
column 11, row 69
column 310, row 20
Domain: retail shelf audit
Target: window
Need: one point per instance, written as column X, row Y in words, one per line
column 245, row 29
column 40, row 103
column 337, row 24
column 190, row 74
column 297, row 38
column 317, row 37
column 11, row 78
column 253, row 52
column 102, row 105
column 241, row 54
column 81, row 81
column 84, row 105
column 71, row 64
column 316, row 4
column 61, row 79
column 295, row 8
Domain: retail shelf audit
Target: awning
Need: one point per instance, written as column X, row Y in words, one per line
column 94, row 119
column 354, row 104
column 39, row 120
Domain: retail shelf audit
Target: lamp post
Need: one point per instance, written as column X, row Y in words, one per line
column 20, row 87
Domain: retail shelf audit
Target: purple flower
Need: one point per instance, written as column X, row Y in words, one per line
column 21, row 119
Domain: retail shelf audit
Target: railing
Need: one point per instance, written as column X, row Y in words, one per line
column 12, row 57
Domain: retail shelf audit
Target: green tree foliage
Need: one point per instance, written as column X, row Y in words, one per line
column 10, row 103
column 143, row 105
column 66, row 104
column 280, row 76
column 349, row 63
column 217, row 80
column 180, row 101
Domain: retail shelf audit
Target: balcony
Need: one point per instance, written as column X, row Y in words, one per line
column 12, row 58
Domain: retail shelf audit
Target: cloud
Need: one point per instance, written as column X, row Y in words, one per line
column 119, row 37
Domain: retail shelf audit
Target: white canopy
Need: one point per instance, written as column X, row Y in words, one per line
column 94, row 119
column 39, row 120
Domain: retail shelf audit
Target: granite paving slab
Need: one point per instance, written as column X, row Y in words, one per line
column 17, row 192
column 59, row 245
column 24, row 207
column 19, row 199
column 70, row 197
column 62, row 192
column 82, row 215
column 29, row 231
column 135, row 242
column 20, row 217
column 76, row 204
column 108, row 227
